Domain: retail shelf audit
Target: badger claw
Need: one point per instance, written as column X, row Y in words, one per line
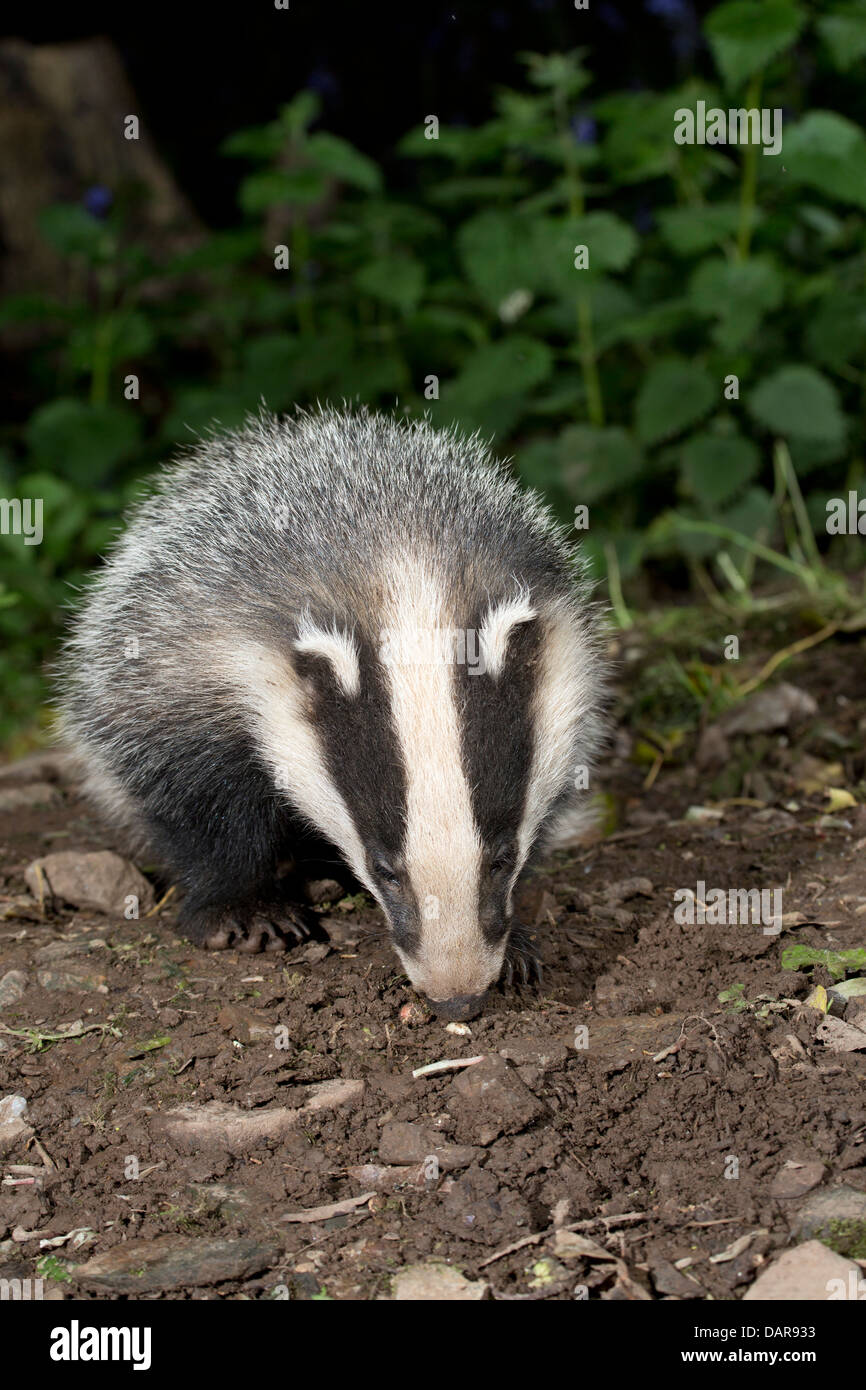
column 219, row 940
column 264, row 934
column 522, row 957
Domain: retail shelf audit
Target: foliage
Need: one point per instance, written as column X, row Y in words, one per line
column 605, row 383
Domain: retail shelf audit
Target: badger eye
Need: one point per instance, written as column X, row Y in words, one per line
column 502, row 861
column 386, row 873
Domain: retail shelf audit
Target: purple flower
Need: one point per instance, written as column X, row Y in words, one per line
column 97, row 200
column 584, row 129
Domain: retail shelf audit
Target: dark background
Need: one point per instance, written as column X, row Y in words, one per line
column 202, row 72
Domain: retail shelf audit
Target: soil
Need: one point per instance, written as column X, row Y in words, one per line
column 623, row 1096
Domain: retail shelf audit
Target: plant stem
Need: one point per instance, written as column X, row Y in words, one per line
column 782, row 458
column 614, row 585
column 763, row 552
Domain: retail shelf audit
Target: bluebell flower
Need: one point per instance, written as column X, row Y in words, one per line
column 98, row 200
column 644, row 221
column 584, row 129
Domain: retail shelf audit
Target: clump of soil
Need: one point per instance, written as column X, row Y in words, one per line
column 201, row 1125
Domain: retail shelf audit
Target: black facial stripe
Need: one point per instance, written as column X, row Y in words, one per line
column 496, row 732
column 360, row 745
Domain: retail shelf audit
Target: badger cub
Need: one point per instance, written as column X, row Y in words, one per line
column 348, row 624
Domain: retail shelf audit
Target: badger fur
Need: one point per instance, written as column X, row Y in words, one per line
column 349, row 624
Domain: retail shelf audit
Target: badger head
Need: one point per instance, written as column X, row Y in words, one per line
column 434, row 756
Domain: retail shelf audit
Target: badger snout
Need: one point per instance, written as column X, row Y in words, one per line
column 459, row 1008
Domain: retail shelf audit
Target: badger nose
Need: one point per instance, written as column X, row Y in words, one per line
column 459, row 1007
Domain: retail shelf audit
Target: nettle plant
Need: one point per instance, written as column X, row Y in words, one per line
column 667, row 335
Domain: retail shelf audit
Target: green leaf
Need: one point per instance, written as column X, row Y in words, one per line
column 611, row 242
column 715, row 467
column 674, row 395
column 737, row 294
column 828, row 152
column 261, row 142
column 597, row 462
column 495, row 249
column 836, row 334
column 798, row 400
column 489, row 393
column 120, row 336
column 515, row 363
column 396, row 280
column 272, row 187
column 844, row 33
column 73, row 232
column 80, row 441
column 746, row 34
column 836, row 963
column 342, row 161
column 220, row 250
column 638, row 144
column 688, row 231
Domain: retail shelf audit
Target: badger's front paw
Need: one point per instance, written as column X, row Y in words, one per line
column 522, row 958
column 274, row 932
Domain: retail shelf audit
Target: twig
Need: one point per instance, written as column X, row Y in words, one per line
column 605, row 1221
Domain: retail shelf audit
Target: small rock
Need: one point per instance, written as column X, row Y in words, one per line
column 64, row 965
column 839, row 1036
column 30, row 797
column 220, row 1197
column 382, row 1177
column 72, row 979
column 806, row 1272
column 628, row 888
column 822, row 1213
column 12, row 987
column 13, row 1126
column 102, row 881
column 437, row 1283
column 173, row 1262
column 796, row 1179
column 404, row 1143
column 490, row 1099
column 324, row 890
column 669, row 1280
column 775, row 708
column 713, row 749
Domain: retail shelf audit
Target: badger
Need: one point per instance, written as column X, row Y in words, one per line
column 347, row 624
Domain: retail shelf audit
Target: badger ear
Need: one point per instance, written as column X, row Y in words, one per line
column 333, row 645
column 499, row 622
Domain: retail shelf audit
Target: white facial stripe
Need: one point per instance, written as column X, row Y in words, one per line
column 442, row 846
column 497, row 627
column 563, row 696
column 336, row 647
column 287, row 741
